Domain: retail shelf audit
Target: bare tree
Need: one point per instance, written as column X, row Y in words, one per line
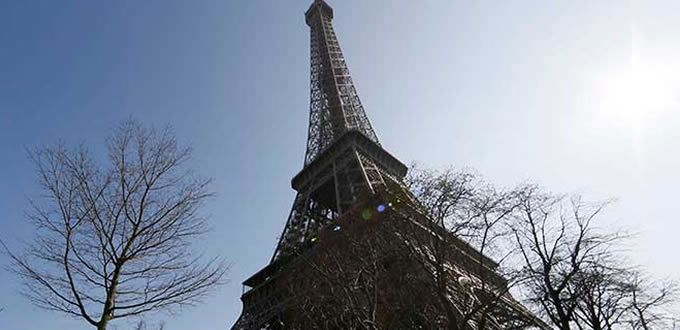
column 602, row 296
column 559, row 246
column 114, row 241
column 473, row 250
column 613, row 295
column 419, row 264
column 339, row 286
column 650, row 302
column 447, row 254
column 360, row 275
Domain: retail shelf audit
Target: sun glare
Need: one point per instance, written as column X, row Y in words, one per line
column 635, row 97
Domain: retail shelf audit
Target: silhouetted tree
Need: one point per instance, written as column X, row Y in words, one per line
column 419, row 265
column 558, row 245
column 574, row 271
column 650, row 302
column 472, row 254
column 601, row 299
column 447, row 255
column 113, row 240
column 612, row 295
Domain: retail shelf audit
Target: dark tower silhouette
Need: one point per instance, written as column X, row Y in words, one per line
column 344, row 166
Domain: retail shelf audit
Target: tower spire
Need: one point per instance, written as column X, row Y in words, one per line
column 344, row 161
column 335, row 107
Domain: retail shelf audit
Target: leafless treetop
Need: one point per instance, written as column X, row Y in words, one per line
column 114, row 240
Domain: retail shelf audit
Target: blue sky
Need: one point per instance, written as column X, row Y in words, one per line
column 579, row 96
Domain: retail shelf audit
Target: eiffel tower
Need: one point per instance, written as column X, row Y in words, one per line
column 344, row 166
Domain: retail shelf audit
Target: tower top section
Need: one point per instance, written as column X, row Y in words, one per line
column 335, row 107
column 317, row 8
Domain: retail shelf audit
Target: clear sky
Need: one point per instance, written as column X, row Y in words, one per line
column 577, row 95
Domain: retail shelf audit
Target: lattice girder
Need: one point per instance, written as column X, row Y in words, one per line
column 352, row 168
column 335, row 106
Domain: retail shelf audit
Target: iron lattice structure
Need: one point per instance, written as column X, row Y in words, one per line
column 335, row 112
column 344, row 167
column 335, row 106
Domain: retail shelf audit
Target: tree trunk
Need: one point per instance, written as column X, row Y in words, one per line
column 103, row 324
column 107, row 313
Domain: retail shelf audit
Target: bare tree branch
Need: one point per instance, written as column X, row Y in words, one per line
column 574, row 273
column 421, row 264
column 115, row 241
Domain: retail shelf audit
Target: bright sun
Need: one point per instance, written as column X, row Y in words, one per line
column 636, row 96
